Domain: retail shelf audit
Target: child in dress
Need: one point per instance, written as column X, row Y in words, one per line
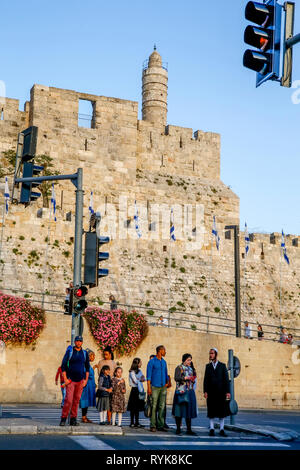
column 118, row 396
column 103, row 393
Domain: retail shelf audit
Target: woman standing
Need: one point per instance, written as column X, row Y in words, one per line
column 135, row 403
column 88, row 396
column 260, row 333
column 184, row 403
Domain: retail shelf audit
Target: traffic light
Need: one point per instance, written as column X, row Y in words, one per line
column 266, row 39
column 93, row 257
column 29, row 143
column 30, row 170
column 79, row 302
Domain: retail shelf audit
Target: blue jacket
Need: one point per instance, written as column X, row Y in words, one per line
column 157, row 372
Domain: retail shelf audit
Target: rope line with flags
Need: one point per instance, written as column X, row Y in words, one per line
column 6, row 195
column 247, row 240
column 172, row 228
column 283, row 247
column 136, row 221
column 53, row 202
column 91, row 206
column 215, row 233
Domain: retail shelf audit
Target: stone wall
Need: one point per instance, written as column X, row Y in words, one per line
column 269, row 375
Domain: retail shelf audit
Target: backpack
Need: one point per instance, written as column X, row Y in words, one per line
column 71, row 354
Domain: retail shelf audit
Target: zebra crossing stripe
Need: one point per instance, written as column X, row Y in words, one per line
column 210, row 443
column 91, row 443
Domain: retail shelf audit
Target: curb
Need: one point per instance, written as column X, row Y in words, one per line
column 73, row 430
column 279, row 434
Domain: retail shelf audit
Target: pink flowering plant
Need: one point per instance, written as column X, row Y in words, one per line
column 121, row 330
column 20, row 322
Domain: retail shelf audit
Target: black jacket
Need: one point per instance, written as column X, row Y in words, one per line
column 216, row 384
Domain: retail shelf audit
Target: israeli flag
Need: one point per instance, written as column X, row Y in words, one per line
column 6, row 195
column 53, row 202
column 215, row 233
column 247, row 240
column 283, row 247
column 172, row 229
column 136, row 221
column 91, row 206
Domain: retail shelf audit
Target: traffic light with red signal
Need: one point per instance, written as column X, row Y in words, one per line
column 79, row 302
column 265, row 38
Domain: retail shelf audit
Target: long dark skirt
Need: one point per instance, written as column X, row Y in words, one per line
column 185, row 410
column 134, row 403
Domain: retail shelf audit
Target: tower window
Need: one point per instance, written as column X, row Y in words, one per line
column 86, row 113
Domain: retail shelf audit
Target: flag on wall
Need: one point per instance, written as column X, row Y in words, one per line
column 283, row 247
column 215, row 233
column 136, row 221
column 91, row 206
column 247, row 240
column 53, row 202
column 172, row 228
column 6, row 195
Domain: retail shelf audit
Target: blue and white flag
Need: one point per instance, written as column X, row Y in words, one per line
column 172, row 229
column 247, row 240
column 215, row 233
column 6, row 195
column 136, row 221
column 91, row 206
column 53, row 202
column 283, row 247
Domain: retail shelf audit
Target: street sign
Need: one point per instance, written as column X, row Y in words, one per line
column 236, row 366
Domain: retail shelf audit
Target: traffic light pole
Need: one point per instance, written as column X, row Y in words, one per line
column 230, row 363
column 76, row 179
column 76, row 319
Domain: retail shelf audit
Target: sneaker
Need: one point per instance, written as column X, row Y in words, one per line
column 102, row 423
column 222, row 433
column 63, row 421
column 178, row 432
column 138, row 425
column 162, row 429
column 166, row 426
column 153, row 429
column 131, row 425
column 73, row 422
column 211, row 432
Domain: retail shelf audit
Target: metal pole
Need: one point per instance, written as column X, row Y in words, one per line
column 237, row 283
column 77, row 249
column 230, row 361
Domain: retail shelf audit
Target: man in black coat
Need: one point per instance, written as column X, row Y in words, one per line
column 216, row 391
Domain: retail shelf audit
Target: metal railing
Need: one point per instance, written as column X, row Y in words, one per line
column 192, row 321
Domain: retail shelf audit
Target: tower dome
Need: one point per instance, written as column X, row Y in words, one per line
column 155, row 90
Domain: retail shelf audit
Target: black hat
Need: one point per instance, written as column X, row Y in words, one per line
column 79, row 338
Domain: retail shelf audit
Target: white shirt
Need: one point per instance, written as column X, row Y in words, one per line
column 215, row 364
column 135, row 378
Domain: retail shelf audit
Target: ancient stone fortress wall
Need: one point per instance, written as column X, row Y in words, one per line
column 159, row 166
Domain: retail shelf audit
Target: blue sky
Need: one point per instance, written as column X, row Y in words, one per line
column 99, row 47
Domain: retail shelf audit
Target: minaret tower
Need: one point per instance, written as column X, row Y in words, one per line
column 155, row 90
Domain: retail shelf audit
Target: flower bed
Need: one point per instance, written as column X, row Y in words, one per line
column 20, row 322
column 123, row 331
